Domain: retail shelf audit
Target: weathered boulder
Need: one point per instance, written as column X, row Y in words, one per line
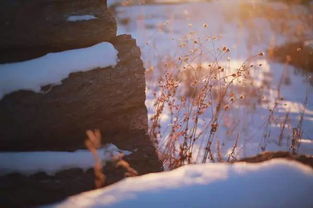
column 33, row 28
column 110, row 99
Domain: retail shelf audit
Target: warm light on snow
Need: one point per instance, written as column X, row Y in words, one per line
column 54, row 67
column 162, row 29
column 275, row 183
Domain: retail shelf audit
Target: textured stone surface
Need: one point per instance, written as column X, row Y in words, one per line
column 110, row 99
column 35, row 27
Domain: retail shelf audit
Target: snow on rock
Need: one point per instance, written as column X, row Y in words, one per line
column 275, row 183
column 52, row 162
column 75, row 18
column 53, row 67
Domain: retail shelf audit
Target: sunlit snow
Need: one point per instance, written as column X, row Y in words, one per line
column 54, row 67
column 275, row 183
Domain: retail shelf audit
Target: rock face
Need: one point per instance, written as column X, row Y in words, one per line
column 33, row 28
column 110, row 99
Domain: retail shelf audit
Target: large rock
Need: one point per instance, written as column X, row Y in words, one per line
column 110, row 99
column 33, row 28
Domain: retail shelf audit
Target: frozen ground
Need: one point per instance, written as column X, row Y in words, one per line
column 162, row 29
column 275, row 183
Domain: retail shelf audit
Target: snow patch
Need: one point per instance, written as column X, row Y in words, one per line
column 75, row 18
column 275, row 183
column 54, row 67
column 52, row 161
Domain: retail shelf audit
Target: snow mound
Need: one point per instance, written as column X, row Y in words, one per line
column 275, row 183
column 54, row 67
column 52, row 162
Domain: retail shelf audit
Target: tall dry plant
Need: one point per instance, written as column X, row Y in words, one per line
column 196, row 94
column 93, row 143
column 129, row 170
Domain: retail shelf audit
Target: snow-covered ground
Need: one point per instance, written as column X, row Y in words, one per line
column 162, row 29
column 51, row 162
column 54, row 67
column 275, row 183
